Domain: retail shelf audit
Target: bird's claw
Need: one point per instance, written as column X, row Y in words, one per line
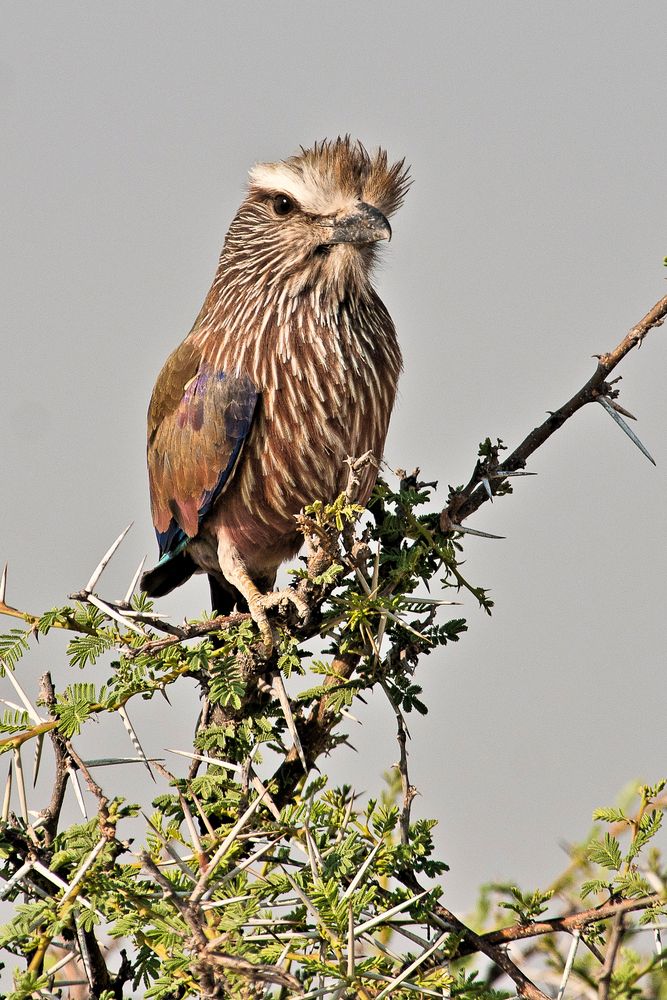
column 276, row 597
column 259, row 605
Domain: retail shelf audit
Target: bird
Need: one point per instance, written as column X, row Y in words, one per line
column 290, row 368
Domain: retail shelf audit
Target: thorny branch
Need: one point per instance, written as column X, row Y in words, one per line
column 107, row 827
column 445, row 918
column 409, row 791
column 566, row 924
column 51, row 814
column 465, row 502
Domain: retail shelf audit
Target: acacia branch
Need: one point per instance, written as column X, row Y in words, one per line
column 409, row 791
column 494, row 944
column 607, row 970
column 464, row 503
column 567, row 924
column 314, row 731
column 524, row 986
column 51, row 814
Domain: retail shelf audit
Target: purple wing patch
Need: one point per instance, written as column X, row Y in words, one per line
column 210, row 426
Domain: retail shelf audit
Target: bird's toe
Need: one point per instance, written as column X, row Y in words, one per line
column 259, row 616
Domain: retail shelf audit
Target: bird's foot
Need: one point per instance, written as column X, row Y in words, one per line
column 276, row 597
column 260, row 603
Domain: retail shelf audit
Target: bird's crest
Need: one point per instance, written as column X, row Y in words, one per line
column 330, row 175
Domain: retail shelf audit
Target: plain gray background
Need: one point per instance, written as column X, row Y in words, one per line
column 532, row 238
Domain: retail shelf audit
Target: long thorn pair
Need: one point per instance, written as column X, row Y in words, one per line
column 615, row 411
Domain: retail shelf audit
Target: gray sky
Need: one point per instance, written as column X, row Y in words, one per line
column 532, row 239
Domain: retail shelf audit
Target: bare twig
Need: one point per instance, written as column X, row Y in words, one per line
column 409, row 791
column 613, row 945
column 51, row 815
column 107, row 827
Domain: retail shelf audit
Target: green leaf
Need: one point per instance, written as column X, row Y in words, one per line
column 606, row 853
column 594, row 886
column 15, row 721
column 85, row 649
column 649, row 825
column 610, row 815
column 13, row 645
column 51, row 619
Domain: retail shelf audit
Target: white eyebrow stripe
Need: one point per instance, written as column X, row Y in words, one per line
column 310, row 191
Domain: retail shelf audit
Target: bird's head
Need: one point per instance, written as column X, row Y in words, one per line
column 313, row 221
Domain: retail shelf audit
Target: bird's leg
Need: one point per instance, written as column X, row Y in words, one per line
column 236, row 573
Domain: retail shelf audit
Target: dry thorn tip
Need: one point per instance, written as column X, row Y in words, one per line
column 615, row 415
column 104, row 561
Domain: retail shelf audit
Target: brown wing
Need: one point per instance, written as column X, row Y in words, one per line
column 198, row 419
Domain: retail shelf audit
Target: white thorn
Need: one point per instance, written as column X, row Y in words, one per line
column 57, row 880
column 190, row 823
column 3, row 585
column 624, row 427
column 81, row 871
column 39, row 746
column 569, row 963
column 362, row 871
column 407, row 972
column 61, row 963
column 116, row 615
column 122, row 711
column 200, row 888
column 30, row 709
column 8, row 792
column 85, row 955
column 101, row 566
column 435, row 601
column 135, row 581
column 376, row 567
column 206, row 760
column 16, row 877
column 110, row 761
column 281, row 694
column 255, row 856
column 76, row 788
column 20, row 784
column 474, row 531
column 381, row 917
column 499, row 474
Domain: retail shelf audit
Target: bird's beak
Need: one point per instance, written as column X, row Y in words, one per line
column 364, row 225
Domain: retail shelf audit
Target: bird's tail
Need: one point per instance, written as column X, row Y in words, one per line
column 225, row 598
column 167, row 575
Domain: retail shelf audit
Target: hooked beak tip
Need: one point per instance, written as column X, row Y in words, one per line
column 365, row 225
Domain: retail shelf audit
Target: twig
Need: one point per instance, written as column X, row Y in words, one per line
column 107, row 828
column 441, row 916
column 607, row 970
column 462, row 504
column 51, row 814
column 409, row 791
column 574, row 921
column 189, row 630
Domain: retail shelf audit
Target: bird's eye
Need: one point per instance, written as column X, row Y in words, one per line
column 282, row 205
